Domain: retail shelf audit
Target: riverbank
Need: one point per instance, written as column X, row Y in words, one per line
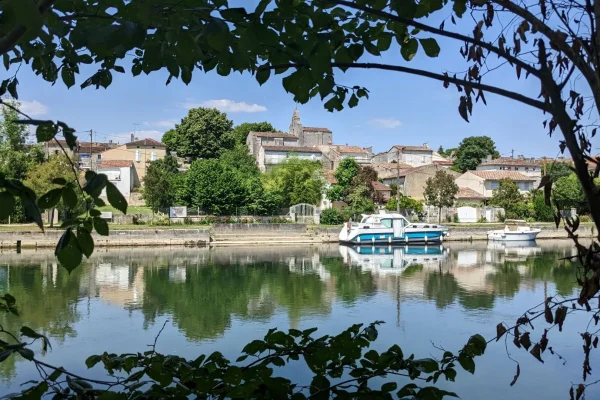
column 244, row 234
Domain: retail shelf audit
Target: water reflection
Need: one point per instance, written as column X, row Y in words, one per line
column 205, row 292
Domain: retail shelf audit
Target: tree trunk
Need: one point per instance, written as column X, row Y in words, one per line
column 439, row 215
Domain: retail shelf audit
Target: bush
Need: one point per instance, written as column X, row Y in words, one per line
column 456, row 220
column 482, row 220
column 332, row 216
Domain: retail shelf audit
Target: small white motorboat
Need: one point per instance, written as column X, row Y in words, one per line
column 514, row 230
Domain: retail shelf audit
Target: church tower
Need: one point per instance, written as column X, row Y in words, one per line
column 296, row 127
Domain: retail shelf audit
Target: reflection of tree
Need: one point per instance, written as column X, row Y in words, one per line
column 505, row 281
column 476, row 300
column 203, row 304
column 441, row 287
column 47, row 302
column 547, row 267
column 350, row 283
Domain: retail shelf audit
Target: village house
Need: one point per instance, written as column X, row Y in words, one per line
column 270, row 156
column 414, row 156
column 90, row 153
column 333, row 155
column 526, row 166
column 255, row 140
column 469, row 196
column 382, row 192
column 121, row 173
column 411, row 182
column 484, row 182
column 140, row 152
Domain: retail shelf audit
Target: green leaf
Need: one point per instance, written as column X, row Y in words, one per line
column 115, row 198
column 69, row 197
column 92, row 360
column 26, row 13
column 409, row 49
column 430, row 46
column 55, row 375
column 427, row 365
column 467, row 363
column 459, row 7
column 50, row 199
column 101, row 226
column 7, row 204
column 389, row 387
column 27, row 331
column 45, row 132
column 384, row 41
column 5, row 354
column 59, row 181
column 68, row 134
column 86, row 242
column 99, row 202
column 26, row 353
column 67, row 251
column 12, row 88
column 68, row 76
column 433, row 393
column 94, row 186
column 262, row 75
column 217, row 34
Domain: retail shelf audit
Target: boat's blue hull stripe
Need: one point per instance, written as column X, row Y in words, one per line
column 385, row 237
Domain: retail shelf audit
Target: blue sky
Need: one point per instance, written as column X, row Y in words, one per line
column 402, row 109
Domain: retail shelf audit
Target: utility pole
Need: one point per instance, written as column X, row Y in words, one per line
column 512, row 153
column 91, row 150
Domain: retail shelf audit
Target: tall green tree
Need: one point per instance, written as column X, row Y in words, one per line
column 296, row 181
column 569, row 193
column 440, row 191
column 507, row 196
column 240, row 132
column 472, row 150
column 161, row 183
column 214, row 187
column 557, row 170
column 203, row 133
column 170, row 139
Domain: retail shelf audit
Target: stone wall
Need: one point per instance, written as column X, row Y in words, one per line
column 140, row 237
column 465, row 232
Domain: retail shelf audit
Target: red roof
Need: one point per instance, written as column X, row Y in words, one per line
column 442, row 162
column 147, row 142
column 313, row 129
column 293, row 149
column 498, row 175
column 273, row 135
column 391, row 165
column 380, row 187
column 115, row 163
column 350, row 149
column 467, row 193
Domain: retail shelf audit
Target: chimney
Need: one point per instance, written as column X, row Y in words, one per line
column 426, row 145
column 132, row 138
column 109, row 141
column 521, row 157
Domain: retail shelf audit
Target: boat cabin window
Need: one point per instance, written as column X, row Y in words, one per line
column 386, row 222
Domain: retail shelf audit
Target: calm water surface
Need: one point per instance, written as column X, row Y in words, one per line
column 222, row 298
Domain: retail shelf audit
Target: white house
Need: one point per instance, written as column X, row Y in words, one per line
column 121, row 173
column 270, row 156
column 415, row 156
column 526, row 166
column 484, row 182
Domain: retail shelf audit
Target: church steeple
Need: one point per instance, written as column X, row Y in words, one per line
column 296, row 125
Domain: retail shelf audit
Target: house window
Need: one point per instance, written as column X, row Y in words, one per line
column 516, row 168
column 138, row 156
column 423, row 159
column 494, row 185
column 153, row 156
column 55, row 152
column 99, row 156
column 408, row 157
column 278, row 142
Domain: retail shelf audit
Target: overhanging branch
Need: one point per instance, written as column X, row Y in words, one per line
column 8, row 41
column 436, row 31
column 432, row 75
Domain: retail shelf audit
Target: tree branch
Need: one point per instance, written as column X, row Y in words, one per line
column 8, row 41
column 452, row 35
column 443, row 78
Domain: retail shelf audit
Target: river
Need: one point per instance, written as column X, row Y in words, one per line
column 222, row 298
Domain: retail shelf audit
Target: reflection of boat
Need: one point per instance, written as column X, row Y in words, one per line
column 515, row 250
column 514, row 230
column 392, row 259
column 391, row 228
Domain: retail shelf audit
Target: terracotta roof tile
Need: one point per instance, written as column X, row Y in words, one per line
column 313, row 129
column 442, row 162
column 510, row 161
column 273, row 135
column 146, row 142
column 350, row 149
column 468, row 193
column 293, row 149
column 497, row 175
column 380, row 187
column 115, row 163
